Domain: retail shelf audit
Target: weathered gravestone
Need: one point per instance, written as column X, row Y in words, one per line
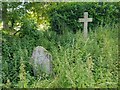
column 85, row 20
column 41, row 61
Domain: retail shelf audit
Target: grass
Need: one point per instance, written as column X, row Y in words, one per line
column 77, row 62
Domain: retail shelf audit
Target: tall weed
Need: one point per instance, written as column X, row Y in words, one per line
column 77, row 62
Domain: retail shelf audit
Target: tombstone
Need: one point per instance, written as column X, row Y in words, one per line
column 85, row 20
column 41, row 61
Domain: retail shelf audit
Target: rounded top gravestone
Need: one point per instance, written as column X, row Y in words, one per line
column 41, row 60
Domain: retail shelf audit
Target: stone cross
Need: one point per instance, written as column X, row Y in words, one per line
column 85, row 20
column 41, row 61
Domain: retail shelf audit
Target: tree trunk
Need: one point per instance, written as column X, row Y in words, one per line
column 4, row 16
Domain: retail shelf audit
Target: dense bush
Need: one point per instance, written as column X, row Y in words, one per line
column 64, row 16
column 28, row 28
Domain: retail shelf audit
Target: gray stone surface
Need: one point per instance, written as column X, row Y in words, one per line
column 85, row 20
column 41, row 60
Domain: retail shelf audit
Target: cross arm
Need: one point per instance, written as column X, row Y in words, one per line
column 81, row 20
column 89, row 19
column 85, row 20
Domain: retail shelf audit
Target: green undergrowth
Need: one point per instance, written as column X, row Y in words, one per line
column 77, row 62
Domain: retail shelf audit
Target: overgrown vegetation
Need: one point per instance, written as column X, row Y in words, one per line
column 77, row 62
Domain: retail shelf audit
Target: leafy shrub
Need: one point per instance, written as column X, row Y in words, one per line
column 64, row 16
column 28, row 28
